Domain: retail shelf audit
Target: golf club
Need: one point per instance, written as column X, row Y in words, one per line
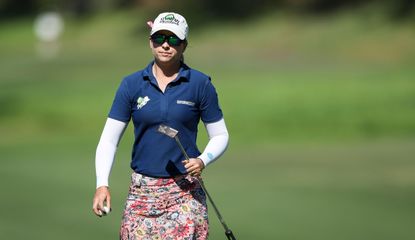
column 172, row 133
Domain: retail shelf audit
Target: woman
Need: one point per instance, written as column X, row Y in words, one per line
column 165, row 200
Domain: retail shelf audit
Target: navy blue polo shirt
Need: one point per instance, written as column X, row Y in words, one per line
column 186, row 100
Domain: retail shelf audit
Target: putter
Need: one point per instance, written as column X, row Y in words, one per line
column 172, row 133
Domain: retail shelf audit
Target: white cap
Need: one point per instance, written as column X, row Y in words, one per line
column 172, row 22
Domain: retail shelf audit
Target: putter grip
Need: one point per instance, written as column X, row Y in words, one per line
column 230, row 235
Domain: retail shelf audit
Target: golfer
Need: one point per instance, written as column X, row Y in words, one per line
column 165, row 200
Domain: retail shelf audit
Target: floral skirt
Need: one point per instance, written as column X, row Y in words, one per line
column 164, row 208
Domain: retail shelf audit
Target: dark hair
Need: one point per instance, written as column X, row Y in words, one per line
column 185, row 46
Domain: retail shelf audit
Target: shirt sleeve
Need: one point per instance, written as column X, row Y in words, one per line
column 209, row 107
column 121, row 106
column 106, row 149
column 218, row 141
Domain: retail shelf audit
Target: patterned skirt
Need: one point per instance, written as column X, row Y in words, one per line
column 164, row 208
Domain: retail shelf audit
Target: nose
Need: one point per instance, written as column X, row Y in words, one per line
column 165, row 45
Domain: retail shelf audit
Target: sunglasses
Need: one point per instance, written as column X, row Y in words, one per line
column 172, row 40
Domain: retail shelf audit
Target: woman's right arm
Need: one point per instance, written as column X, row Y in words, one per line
column 104, row 158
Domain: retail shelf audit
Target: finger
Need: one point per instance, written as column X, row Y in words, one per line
column 95, row 208
column 193, row 168
column 101, row 204
column 187, row 164
column 195, row 173
column 109, row 202
column 197, row 162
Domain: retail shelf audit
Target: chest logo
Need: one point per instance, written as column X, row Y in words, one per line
column 141, row 101
column 185, row 102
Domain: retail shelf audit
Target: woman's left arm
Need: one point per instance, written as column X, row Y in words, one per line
column 218, row 141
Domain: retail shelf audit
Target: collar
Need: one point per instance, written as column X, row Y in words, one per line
column 184, row 73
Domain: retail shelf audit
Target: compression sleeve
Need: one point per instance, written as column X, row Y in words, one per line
column 218, row 141
column 106, row 149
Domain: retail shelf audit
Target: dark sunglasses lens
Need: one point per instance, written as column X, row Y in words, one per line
column 174, row 41
column 159, row 39
column 171, row 40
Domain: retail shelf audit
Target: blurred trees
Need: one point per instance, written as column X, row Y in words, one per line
column 202, row 8
column 13, row 8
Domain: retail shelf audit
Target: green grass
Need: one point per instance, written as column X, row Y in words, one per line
column 356, row 191
column 321, row 113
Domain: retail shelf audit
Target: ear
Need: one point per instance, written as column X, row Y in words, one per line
column 150, row 43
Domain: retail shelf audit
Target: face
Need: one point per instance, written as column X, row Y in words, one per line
column 165, row 52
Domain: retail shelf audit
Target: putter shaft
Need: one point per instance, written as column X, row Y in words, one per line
column 172, row 133
column 228, row 232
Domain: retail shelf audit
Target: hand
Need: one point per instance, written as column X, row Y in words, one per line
column 194, row 166
column 102, row 195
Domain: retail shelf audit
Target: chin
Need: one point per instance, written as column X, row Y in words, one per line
column 166, row 59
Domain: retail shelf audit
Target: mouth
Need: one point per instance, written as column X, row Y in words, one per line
column 165, row 54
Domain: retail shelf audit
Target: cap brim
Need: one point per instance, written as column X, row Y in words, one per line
column 160, row 28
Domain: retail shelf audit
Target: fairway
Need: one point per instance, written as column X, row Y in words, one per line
column 362, row 191
column 321, row 123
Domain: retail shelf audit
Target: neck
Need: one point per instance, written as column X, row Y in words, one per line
column 167, row 69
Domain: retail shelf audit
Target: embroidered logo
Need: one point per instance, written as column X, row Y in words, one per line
column 185, row 102
column 170, row 19
column 141, row 101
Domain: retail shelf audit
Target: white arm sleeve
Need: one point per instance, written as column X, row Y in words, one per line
column 218, row 141
column 106, row 149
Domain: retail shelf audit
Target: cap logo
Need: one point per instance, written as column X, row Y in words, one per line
column 169, row 19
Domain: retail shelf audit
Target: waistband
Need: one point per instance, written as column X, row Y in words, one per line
column 140, row 179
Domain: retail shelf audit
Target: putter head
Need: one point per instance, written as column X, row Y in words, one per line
column 166, row 130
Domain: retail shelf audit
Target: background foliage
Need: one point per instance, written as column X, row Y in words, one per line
column 207, row 8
